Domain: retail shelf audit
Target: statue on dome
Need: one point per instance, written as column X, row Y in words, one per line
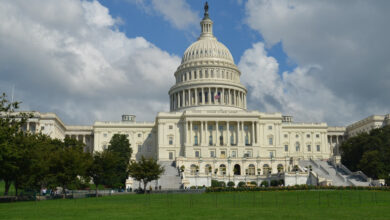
column 206, row 10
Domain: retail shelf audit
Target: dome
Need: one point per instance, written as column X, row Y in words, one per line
column 207, row 48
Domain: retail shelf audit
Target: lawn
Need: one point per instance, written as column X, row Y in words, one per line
column 239, row 205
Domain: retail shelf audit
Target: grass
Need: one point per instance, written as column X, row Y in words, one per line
column 237, row 205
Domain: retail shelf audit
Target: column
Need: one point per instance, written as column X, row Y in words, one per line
column 238, row 133
column 203, row 96
column 253, row 133
column 185, row 133
column 209, row 96
column 229, row 98
column 27, row 126
column 216, row 134
column 196, row 96
column 257, row 133
column 223, row 96
column 242, row 133
column 244, row 101
column 227, row 133
column 190, row 136
column 182, row 99
column 337, row 145
column 201, row 134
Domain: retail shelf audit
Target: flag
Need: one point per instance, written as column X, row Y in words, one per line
column 217, row 96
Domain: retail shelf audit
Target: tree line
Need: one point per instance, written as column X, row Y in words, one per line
column 369, row 152
column 32, row 162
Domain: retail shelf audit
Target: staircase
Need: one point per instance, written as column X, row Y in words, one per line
column 340, row 176
column 170, row 179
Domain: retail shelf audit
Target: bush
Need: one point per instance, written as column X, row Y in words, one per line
column 264, row 183
column 274, row 183
column 281, row 182
column 193, row 187
column 222, row 184
column 253, row 183
column 241, row 184
column 231, row 184
column 214, row 183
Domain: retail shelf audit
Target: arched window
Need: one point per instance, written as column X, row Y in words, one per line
column 280, row 168
column 222, row 169
column 251, row 169
column 207, row 169
column 266, row 169
column 297, row 147
column 193, row 169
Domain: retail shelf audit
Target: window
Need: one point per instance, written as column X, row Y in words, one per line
column 308, row 135
column 246, row 140
column 286, row 148
column 308, row 147
column 210, row 140
column 231, row 128
column 212, row 153
column 170, row 140
column 196, row 140
column 195, row 127
column 170, row 127
column 297, row 135
column 197, row 154
column 221, row 128
column 317, row 136
column 149, row 148
column 271, row 154
column 285, row 135
column 139, row 135
column 149, row 135
column 270, row 141
column 223, row 154
column 246, row 128
column 231, row 140
column 105, row 135
column 251, row 169
column 171, row 155
column 318, row 148
column 139, row 147
column 210, row 127
column 269, row 127
column 297, row 147
column 234, row 154
column 248, row 154
column 221, row 140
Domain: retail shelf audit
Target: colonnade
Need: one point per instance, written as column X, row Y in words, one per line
column 335, row 141
column 207, row 96
column 221, row 133
column 87, row 139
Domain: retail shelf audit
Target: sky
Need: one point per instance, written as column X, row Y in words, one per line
column 94, row 60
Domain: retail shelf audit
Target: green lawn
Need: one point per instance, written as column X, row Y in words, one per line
column 239, row 205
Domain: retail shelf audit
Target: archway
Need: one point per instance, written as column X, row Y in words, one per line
column 266, row 169
column 222, row 169
column 193, row 169
column 207, row 169
column 280, row 168
column 251, row 169
column 237, row 169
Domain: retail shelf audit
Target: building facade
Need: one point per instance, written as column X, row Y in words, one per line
column 209, row 132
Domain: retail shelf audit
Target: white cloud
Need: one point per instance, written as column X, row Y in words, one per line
column 79, row 65
column 177, row 12
column 346, row 42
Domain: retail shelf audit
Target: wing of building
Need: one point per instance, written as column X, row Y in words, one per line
column 210, row 133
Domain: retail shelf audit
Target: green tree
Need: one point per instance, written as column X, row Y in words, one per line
column 120, row 145
column 11, row 123
column 145, row 170
column 103, row 169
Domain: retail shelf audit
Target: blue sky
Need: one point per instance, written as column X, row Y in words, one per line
column 93, row 60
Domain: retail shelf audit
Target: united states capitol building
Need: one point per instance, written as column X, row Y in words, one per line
column 210, row 134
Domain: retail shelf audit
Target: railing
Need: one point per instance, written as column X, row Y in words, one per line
column 324, row 170
column 344, row 168
column 342, row 177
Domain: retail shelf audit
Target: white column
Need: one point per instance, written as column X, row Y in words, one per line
column 201, row 133
column 185, row 133
column 203, row 96
column 196, row 96
column 257, row 133
column 183, row 102
column 253, row 133
column 229, row 98
column 190, row 136
column 242, row 133
column 227, row 133
column 238, row 133
column 27, row 126
column 216, row 134
column 223, row 96
column 209, row 95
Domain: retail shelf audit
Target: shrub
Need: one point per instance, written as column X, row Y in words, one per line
column 264, row 183
column 214, row 183
column 241, row 184
column 281, row 182
column 230, row 184
column 222, row 184
column 253, row 183
column 193, row 187
column 274, row 183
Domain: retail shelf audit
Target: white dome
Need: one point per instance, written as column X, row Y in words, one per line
column 207, row 48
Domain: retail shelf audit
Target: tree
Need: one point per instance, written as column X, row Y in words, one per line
column 11, row 123
column 120, row 145
column 146, row 170
column 103, row 169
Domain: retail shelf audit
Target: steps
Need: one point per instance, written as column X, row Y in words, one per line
column 169, row 180
column 338, row 176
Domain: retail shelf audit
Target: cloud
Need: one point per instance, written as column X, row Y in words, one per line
column 347, row 44
column 176, row 12
column 69, row 58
